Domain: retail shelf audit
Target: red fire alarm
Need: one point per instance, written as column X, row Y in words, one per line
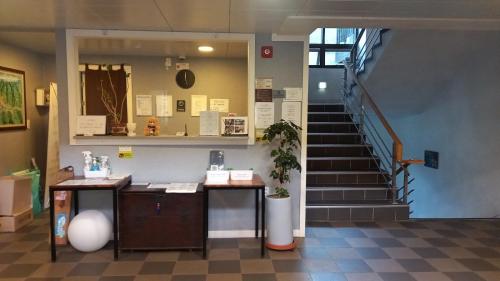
column 266, row 52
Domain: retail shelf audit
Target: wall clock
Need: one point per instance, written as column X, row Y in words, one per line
column 185, row 79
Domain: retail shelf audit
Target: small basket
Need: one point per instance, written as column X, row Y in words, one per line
column 218, row 176
column 241, row 175
column 96, row 174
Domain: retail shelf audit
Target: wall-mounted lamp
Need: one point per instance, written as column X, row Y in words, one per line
column 322, row 85
column 205, row 49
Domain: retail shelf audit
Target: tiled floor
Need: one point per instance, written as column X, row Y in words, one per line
column 423, row 250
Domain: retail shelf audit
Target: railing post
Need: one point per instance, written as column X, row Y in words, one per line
column 394, row 186
column 405, row 189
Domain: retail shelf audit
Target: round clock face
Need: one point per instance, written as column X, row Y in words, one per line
column 185, row 78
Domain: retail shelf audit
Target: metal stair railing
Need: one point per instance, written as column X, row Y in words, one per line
column 371, row 123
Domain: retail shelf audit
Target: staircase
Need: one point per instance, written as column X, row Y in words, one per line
column 344, row 179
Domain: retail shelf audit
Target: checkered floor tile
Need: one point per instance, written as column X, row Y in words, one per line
column 448, row 250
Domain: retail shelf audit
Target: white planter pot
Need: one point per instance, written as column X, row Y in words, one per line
column 279, row 223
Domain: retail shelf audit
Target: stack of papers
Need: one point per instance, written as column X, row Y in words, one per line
column 176, row 187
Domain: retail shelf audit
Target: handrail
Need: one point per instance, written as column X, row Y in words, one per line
column 397, row 145
column 395, row 162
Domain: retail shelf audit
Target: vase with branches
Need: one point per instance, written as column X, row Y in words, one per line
column 113, row 104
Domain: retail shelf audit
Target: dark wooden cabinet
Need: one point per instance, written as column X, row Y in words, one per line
column 153, row 219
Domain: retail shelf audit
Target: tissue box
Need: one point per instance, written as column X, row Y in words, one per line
column 217, row 176
column 241, row 175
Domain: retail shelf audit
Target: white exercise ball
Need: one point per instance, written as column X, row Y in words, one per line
column 89, row 231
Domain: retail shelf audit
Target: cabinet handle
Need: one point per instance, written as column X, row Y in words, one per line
column 158, row 208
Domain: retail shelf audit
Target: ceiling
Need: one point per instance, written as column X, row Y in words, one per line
column 286, row 17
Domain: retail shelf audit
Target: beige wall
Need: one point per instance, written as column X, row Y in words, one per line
column 18, row 146
column 215, row 78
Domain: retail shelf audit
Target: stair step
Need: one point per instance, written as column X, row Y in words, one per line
column 329, row 196
column 332, row 123
column 329, row 113
column 338, row 150
column 357, row 212
column 355, row 202
column 326, row 107
column 338, row 145
column 329, row 117
column 333, row 134
column 341, row 158
column 340, row 188
column 347, row 186
column 342, row 163
column 343, row 177
column 350, row 172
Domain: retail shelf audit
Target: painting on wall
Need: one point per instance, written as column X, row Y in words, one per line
column 12, row 99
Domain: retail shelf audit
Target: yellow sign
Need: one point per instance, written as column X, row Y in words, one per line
column 125, row 152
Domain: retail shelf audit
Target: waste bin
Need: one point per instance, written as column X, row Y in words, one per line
column 35, row 188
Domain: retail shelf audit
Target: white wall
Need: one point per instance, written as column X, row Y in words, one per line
column 334, row 79
column 441, row 91
column 229, row 210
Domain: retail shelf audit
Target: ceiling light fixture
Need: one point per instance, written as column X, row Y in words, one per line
column 205, row 49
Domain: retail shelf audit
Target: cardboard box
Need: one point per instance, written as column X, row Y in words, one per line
column 13, row 223
column 15, row 194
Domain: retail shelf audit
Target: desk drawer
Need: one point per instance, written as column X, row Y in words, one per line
column 160, row 220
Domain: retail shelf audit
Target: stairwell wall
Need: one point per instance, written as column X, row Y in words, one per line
column 454, row 111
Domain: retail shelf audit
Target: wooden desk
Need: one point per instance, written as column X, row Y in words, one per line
column 66, row 186
column 258, row 185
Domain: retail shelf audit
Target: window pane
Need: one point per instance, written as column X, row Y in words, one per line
column 315, row 37
column 314, row 57
column 336, row 57
column 340, row 35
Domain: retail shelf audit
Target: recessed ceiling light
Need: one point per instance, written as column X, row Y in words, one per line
column 205, row 49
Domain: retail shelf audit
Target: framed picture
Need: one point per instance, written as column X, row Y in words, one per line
column 234, row 126
column 12, row 99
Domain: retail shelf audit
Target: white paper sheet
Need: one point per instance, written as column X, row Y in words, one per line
column 182, row 187
column 220, row 105
column 89, row 125
column 264, row 114
column 293, row 94
column 209, row 123
column 164, row 107
column 158, row 185
column 263, row 83
column 291, row 111
column 90, row 182
column 198, row 104
column 144, row 105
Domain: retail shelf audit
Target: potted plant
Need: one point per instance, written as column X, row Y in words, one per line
column 285, row 137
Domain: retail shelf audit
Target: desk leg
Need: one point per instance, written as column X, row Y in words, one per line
column 263, row 221
column 256, row 213
column 77, row 202
column 52, row 227
column 116, row 242
column 205, row 221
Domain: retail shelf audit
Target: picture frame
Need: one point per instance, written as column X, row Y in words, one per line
column 12, row 99
column 234, row 126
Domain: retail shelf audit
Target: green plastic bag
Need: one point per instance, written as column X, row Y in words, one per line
column 35, row 188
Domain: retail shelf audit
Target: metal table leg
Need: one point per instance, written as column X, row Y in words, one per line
column 263, row 221
column 77, row 202
column 116, row 242
column 52, row 227
column 205, row 220
column 256, row 213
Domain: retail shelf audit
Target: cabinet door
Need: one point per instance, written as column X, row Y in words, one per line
column 159, row 220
